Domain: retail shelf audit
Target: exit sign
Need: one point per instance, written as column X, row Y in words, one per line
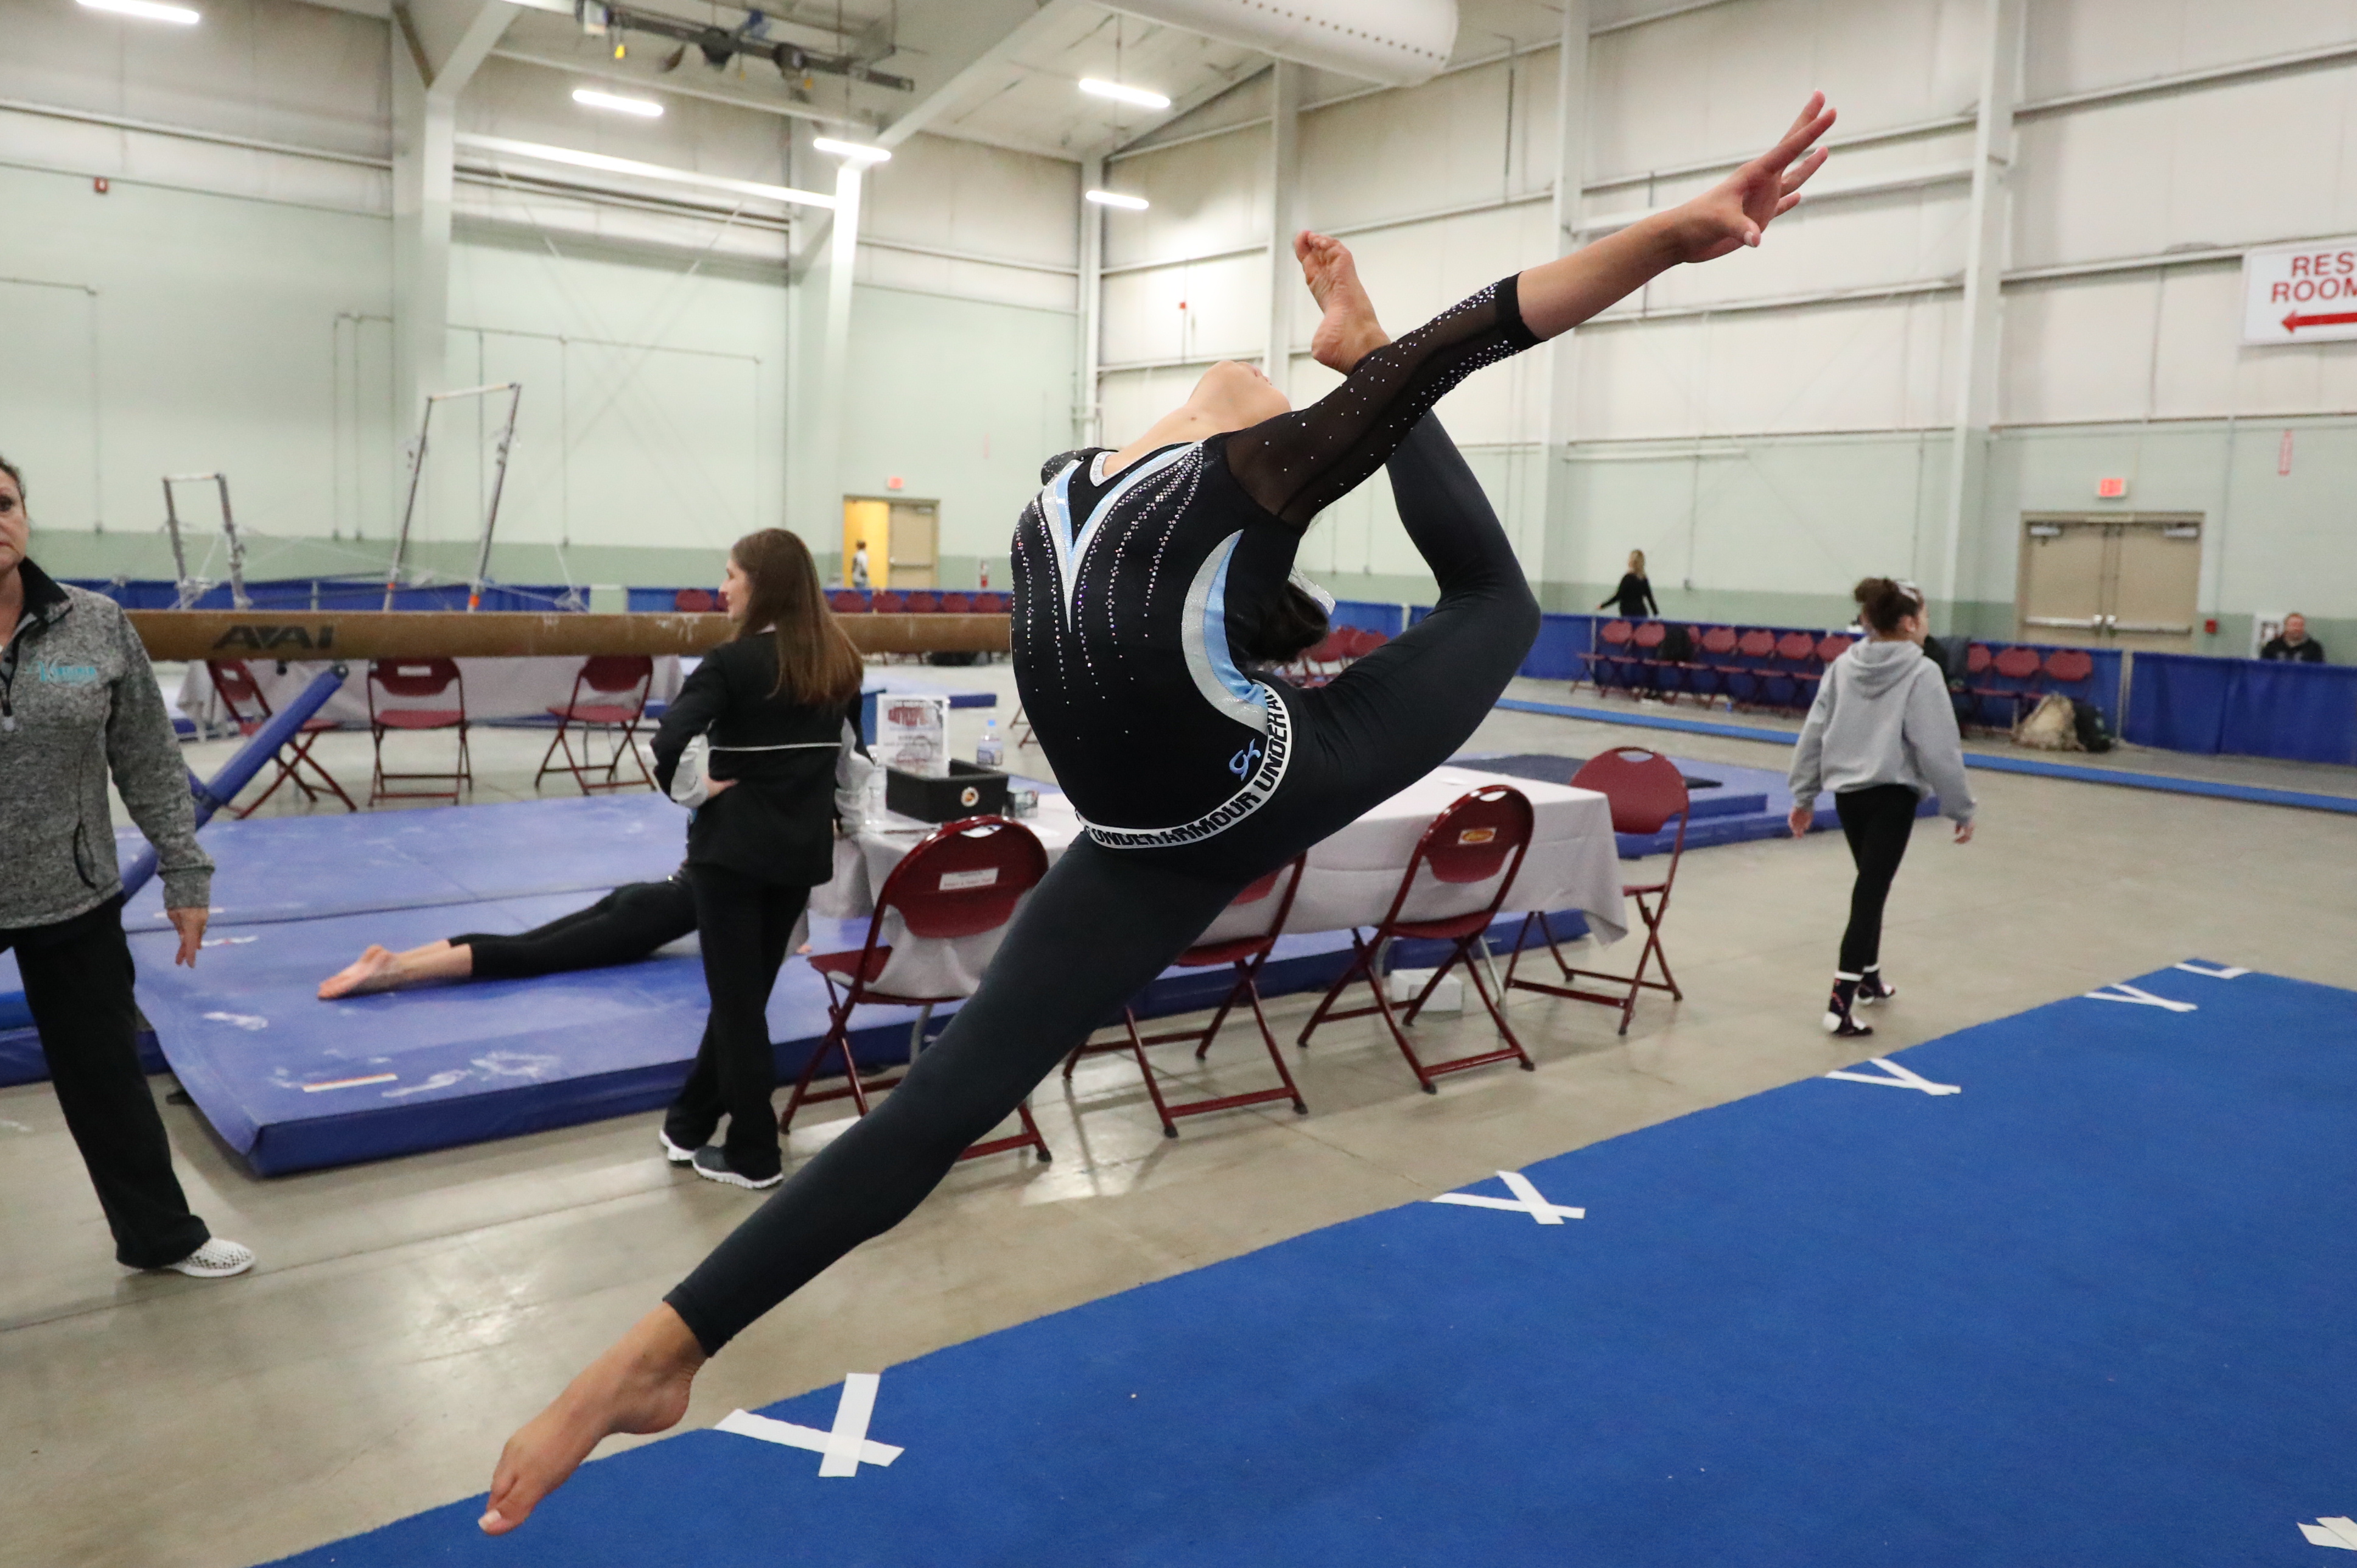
column 2111, row 489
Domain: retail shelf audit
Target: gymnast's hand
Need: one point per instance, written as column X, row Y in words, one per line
column 191, row 924
column 1801, row 819
column 1735, row 213
column 716, row 787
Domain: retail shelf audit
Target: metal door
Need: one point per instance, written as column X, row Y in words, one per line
column 915, row 539
column 2109, row 580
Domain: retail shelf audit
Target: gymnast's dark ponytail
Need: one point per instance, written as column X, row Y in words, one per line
column 1884, row 602
column 1294, row 623
column 816, row 663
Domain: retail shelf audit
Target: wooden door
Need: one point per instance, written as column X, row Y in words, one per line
column 2064, row 567
column 867, row 522
column 2157, row 585
column 915, row 540
column 2110, row 580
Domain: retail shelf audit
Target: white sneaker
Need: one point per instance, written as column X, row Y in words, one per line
column 673, row 1152
column 216, row 1260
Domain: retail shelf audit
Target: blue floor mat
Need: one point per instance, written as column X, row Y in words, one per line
column 2091, row 1310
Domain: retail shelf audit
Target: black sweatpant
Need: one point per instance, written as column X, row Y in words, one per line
column 78, row 976
column 623, row 926
column 1877, row 820
column 744, row 926
column 1107, row 921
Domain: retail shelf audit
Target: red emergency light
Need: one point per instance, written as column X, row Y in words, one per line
column 2111, row 489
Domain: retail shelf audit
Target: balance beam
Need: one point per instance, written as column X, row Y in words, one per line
column 191, row 635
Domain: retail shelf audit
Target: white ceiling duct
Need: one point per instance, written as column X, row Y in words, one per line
column 1396, row 42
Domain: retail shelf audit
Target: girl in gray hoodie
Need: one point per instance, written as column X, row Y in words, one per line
column 1882, row 736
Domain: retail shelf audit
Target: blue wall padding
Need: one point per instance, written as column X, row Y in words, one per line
column 2247, row 707
column 2088, row 1311
column 298, row 593
column 1368, row 616
column 1562, row 639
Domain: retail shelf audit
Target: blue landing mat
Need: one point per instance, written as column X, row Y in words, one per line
column 2091, row 1310
column 1730, row 804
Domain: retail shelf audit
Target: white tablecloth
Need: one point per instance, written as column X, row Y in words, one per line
column 496, row 688
column 1573, row 864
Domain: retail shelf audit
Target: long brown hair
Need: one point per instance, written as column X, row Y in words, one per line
column 816, row 663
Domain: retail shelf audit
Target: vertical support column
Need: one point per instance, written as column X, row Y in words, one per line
column 1088, row 412
column 1949, row 578
column 423, row 123
column 1284, row 181
column 1563, row 552
column 822, row 468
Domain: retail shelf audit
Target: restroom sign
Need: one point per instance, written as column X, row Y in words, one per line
column 2301, row 293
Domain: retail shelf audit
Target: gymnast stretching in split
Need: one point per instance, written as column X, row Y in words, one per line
column 1137, row 574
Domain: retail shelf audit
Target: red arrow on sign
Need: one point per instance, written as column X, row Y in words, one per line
column 2295, row 321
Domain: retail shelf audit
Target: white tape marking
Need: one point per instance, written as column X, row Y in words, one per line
column 243, row 1020
column 2128, row 992
column 2229, row 972
column 1527, row 1199
column 851, row 1415
column 2336, row 1532
column 351, row 1082
column 787, row 1434
column 1900, row 1078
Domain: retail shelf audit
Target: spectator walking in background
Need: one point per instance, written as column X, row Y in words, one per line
column 1881, row 735
column 1635, row 594
column 2293, row 643
column 859, row 564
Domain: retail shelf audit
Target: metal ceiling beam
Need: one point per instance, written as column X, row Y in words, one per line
column 989, row 63
column 602, row 72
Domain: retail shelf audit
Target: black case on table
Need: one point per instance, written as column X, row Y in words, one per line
column 967, row 791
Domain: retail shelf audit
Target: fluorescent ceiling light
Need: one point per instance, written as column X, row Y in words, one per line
column 502, row 146
column 1142, row 97
column 644, row 108
column 1116, row 198
column 146, row 11
column 851, row 150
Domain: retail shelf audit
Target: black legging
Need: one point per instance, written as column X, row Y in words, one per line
column 1877, row 820
column 1105, row 921
column 624, row 926
column 744, row 927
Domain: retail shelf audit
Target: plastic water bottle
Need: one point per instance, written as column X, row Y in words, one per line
column 987, row 751
column 876, row 810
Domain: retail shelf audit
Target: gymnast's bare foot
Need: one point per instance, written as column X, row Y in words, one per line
column 378, row 969
column 1349, row 330
column 639, row 1385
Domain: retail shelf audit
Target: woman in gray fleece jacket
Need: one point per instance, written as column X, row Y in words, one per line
column 1882, row 736
column 77, row 702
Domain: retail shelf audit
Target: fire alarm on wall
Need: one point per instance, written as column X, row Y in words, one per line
column 2111, row 489
column 99, row 185
column 895, row 483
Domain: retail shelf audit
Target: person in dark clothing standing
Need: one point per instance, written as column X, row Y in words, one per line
column 2293, row 643
column 1635, row 594
column 778, row 707
column 623, row 926
column 78, row 702
column 1882, row 733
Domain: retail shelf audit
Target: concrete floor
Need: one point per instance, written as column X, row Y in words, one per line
column 407, row 1315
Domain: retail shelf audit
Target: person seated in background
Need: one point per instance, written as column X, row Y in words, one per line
column 623, row 926
column 2293, row 643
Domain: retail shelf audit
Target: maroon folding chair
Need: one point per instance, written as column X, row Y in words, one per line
column 1247, row 954
column 846, row 601
column 962, row 879
column 922, row 603
column 1791, row 680
column 1483, row 832
column 1615, row 661
column 249, row 710
column 1649, row 673
column 617, row 685
column 885, row 602
column 2067, row 667
column 2019, row 666
column 1707, row 676
column 1646, row 790
column 695, row 601
column 418, row 693
column 1324, row 660
column 1832, row 646
column 957, row 603
column 1754, row 654
column 1365, row 641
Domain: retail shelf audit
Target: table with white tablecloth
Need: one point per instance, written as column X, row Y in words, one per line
column 1573, row 864
column 496, row 688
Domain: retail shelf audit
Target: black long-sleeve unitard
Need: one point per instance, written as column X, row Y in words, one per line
column 1133, row 591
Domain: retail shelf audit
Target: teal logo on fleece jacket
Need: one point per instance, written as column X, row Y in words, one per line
column 60, row 674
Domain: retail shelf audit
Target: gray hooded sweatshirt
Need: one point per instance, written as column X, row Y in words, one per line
column 1882, row 716
column 77, row 700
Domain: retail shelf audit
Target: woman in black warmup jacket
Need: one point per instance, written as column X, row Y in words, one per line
column 779, row 705
column 1141, row 577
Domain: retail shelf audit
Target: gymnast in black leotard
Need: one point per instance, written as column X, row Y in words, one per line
column 1140, row 576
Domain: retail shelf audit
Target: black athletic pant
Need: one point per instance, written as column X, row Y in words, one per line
column 744, row 927
column 1107, row 921
column 623, row 926
column 1877, row 820
column 78, row 977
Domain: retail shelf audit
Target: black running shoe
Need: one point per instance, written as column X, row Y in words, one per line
column 1873, row 989
column 711, row 1163
column 1838, row 1019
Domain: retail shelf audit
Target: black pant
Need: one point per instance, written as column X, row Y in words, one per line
column 1877, row 822
column 744, row 927
column 78, row 977
column 623, row 926
column 1107, row 921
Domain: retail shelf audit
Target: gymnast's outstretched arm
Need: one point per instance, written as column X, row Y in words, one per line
column 1300, row 462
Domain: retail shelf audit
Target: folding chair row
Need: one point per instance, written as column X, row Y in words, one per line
column 918, row 601
column 1755, row 668
column 2030, row 674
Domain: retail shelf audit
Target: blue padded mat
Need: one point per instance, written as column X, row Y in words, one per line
column 2091, row 1310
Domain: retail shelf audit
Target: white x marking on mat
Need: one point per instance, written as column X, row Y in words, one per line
column 842, row 1450
column 1526, row 1199
column 2339, row 1532
column 1900, row 1078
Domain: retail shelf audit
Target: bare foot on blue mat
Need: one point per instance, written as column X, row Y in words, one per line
column 378, row 969
column 640, row 1385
